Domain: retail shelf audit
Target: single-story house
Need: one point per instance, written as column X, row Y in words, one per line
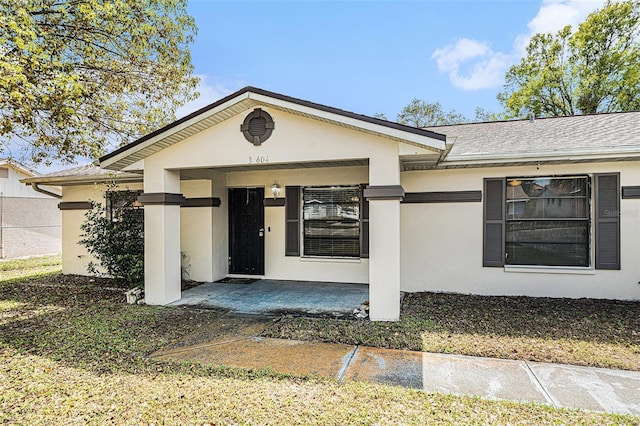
column 30, row 222
column 262, row 184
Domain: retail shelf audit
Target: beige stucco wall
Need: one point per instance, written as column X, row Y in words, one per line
column 75, row 258
column 203, row 230
column 442, row 242
column 279, row 266
column 296, row 139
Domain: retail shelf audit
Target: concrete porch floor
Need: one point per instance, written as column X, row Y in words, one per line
column 278, row 296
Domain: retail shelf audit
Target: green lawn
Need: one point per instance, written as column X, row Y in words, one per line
column 32, row 267
column 72, row 352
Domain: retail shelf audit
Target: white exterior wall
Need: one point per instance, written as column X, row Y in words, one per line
column 279, row 266
column 203, row 230
column 295, row 139
column 12, row 187
column 442, row 242
column 75, row 258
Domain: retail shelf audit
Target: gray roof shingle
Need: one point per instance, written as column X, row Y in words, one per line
column 586, row 134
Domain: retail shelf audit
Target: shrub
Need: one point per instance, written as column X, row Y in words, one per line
column 113, row 233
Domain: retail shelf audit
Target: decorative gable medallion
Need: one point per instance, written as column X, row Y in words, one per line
column 257, row 126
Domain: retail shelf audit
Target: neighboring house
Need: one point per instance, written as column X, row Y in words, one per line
column 30, row 222
column 264, row 184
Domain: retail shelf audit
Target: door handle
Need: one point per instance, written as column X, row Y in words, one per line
column 261, row 232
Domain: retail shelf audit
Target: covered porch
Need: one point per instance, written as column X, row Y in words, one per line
column 335, row 214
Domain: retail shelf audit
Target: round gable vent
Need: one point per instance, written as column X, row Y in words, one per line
column 257, row 126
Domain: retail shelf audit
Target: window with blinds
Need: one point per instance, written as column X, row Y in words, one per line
column 331, row 221
column 548, row 221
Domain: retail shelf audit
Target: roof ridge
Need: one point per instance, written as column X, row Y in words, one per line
column 519, row 120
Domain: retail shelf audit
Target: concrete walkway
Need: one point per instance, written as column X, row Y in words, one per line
column 233, row 341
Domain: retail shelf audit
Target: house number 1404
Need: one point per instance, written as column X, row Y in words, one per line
column 260, row 159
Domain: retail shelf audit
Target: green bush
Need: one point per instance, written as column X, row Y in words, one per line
column 113, row 233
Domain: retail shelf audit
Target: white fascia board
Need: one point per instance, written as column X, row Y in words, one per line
column 80, row 180
column 173, row 130
column 427, row 142
column 469, row 160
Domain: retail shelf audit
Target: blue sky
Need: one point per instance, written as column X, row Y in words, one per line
column 370, row 56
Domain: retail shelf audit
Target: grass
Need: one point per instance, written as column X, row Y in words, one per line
column 588, row 332
column 72, row 352
column 31, row 267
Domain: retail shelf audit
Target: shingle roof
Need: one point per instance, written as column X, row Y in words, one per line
column 86, row 173
column 19, row 166
column 576, row 135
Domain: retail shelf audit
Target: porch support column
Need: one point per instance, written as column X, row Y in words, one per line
column 162, row 201
column 384, row 238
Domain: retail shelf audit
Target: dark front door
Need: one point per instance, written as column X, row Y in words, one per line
column 246, row 231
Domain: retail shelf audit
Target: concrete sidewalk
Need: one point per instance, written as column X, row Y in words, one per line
column 233, row 341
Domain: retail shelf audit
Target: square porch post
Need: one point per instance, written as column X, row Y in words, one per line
column 162, row 201
column 384, row 238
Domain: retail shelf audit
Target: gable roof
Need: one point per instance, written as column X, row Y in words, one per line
column 18, row 166
column 595, row 137
column 250, row 97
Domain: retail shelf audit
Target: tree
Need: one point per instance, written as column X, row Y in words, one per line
column 113, row 233
column 594, row 69
column 79, row 75
column 484, row 115
column 422, row 114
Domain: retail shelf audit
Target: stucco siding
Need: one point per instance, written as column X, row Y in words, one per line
column 295, row 139
column 75, row 258
column 442, row 242
column 279, row 266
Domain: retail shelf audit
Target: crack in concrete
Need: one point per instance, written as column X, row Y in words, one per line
column 538, row 384
column 347, row 362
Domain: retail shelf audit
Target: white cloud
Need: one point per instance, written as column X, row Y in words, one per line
column 487, row 66
column 210, row 90
column 473, row 65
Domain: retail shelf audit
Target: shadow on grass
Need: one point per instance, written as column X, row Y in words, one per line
column 85, row 323
column 592, row 332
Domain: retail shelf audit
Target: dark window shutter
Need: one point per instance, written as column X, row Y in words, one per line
column 364, row 224
column 607, row 209
column 494, row 212
column 292, row 218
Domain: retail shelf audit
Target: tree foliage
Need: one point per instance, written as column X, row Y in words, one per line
column 79, row 75
column 594, row 69
column 422, row 114
column 113, row 233
column 485, row 115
